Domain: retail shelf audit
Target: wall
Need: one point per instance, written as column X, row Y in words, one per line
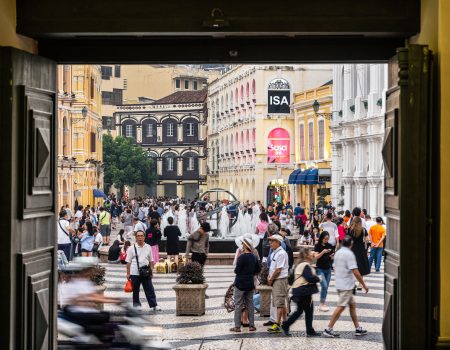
column 8, row 36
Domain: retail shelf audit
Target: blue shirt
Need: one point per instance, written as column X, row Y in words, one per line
column 87, row 242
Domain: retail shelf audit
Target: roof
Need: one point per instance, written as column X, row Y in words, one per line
column 183, row 97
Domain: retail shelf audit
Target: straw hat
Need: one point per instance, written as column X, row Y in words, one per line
column 251, row 239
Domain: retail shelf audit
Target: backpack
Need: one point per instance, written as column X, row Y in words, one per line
column 290, row 254
column 291, row 275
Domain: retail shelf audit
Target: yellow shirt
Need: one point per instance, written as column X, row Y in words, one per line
column 377, row 232
column 105, row 218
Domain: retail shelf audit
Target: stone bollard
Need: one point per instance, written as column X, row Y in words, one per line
column 265, row 292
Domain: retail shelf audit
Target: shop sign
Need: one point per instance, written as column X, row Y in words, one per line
column 279, row 97
column 278, row 147
column 324, row 174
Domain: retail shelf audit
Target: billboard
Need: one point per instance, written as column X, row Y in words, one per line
column 278, row 147
column 279, row 97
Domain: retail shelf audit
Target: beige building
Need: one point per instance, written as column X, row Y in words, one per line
column 251, row 128
column 112, row 88
column 147, row 83
column 79, row 135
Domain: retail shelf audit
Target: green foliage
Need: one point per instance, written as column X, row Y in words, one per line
column 322, row 194
column 126, row 163
column 191, row 273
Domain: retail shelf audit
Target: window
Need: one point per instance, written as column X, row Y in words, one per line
column 190, row 129
column 186, row 84
column 92, row 88
column 170, row 129
column 107, row 122
column 177, row 83
column 106, row 72
column 107, row 98
column 195, row 85
column 302, row 142
column 170, row 164
column 93, row 142
column 149, row 131
column 321, row 126
column 191, row 164
column 117, row 96
column 311, row 140
column 117, row 71
column 129, row 130
column 204, row 85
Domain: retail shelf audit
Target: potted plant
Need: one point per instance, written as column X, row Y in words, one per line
column 265, row 291
column 190, row 290
column 97, row 275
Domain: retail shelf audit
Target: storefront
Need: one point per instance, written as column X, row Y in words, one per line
column 278, row 191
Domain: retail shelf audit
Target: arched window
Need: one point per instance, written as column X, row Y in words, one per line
column 231, row 100
column 243, row 145
column 247, row 140
column 227, row 148
column 247, row 91
column 231, row 144
column 190, row 130
column 170, row 130
column 129, row 128
column 236, row 142
column 226, row 102
column 149, row 131
column 311, row 141
column 169, row 165
column 236, row 96
column 242, row 93
column 190, row 165
column 253, row 87
column 302, row 142
column 65, row 139
column 254, row 137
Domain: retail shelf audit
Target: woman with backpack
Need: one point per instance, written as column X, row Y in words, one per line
column 304, row 285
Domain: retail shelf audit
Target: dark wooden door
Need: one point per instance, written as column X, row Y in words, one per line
column 27, row 205
column 408, row 203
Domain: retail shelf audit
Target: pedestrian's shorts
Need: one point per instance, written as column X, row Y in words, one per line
column 280, row 290
column 105, row 230
column 345, row 297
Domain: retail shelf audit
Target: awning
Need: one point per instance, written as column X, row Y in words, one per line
column 312, row 177
column 293, row 176
column 301, row 178
column 99, row 193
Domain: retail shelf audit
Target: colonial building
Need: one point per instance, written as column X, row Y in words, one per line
column 173, row 131
column 112, row 88
column 313, row 111
column 357, row 134
column 251, row 128
column 79, row 135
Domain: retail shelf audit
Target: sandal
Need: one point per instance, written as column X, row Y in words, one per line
column 245, row 324
column 235, row 329
column 252, row 329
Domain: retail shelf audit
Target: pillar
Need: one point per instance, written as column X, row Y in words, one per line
column 348, row 195
column 374, row 200
column 159, row 132
column 159, row 165
column 180, row 132
column 360, row 186
column 180, row 189
column 159, row 189
column 179, row 165
column 139, row 134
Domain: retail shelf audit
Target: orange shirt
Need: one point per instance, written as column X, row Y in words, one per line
column 376, row 232
column 346, row 219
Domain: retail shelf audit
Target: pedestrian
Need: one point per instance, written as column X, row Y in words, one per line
column 347, row 217
column 359, row 234
column 261, row 231
column 346, row 270
column 247, row 266
column 341, row 228
column 139, row 256
column 323, row 252
column 114, row 253
column 153, row 237
column 65, row 233
column 173, row 234
column 278, row 273
column 332, row 229
column 304, row 286
column 138, row 225
column 87, row 240
column 123, row 252
column 98, row 241
column 377, row 235
column 104, row 219
column 198, row 244
column 127, row 220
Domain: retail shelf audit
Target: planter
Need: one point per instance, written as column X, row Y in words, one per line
column 265, row 293
column 190, row 299
column 100, row 290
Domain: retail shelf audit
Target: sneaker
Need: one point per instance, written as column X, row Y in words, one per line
column 360, row 331
column 268, row 324
column 324, row 308
column 328, row 332
column 274, row 329
column 156, row 308
column 314, row 334
column 285, row 330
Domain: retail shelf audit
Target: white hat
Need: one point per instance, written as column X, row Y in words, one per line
column 276, row 237
column 250, row 237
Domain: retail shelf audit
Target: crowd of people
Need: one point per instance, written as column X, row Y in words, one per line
column 326, row 242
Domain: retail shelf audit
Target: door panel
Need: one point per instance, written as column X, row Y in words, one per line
column 27, row 140
column 406, row 202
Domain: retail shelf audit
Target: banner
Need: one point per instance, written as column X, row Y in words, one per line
column 278, row 147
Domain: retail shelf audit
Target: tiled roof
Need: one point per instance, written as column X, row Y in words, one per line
column 183, row 97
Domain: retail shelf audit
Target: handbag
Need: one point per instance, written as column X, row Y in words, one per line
column 128, row 286
column 144, row 271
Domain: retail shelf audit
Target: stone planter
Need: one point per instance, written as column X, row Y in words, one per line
column 100, row 290
column 190, row 299
column 265, row 293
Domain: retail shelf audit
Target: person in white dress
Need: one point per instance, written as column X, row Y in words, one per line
column 194, row 221
column 224, row 224
column 182, row 221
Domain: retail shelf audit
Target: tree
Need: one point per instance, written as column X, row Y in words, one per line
column 323, row 192
column 125, row 163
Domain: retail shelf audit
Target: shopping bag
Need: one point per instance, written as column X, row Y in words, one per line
column 128, row 286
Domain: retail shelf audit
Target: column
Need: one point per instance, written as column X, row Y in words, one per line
column 160, row 189
column 375, row 206
column 159, row 132
column 349, row 91
column 361, row 90
column 336, row 169
column 374, row 91
column 159, row 166
column 180, row 189
column 360, row 185
column 179, row 165
column 180, row 132
column 348, row 186
column 138, row 133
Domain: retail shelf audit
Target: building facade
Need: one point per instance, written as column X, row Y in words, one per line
column 251, row 128
column 112, row 88
column 312, row 144
column 357, row 135
column 173, row 132
column 79, row 151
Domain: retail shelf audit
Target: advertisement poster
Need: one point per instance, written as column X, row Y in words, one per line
column 278, row 147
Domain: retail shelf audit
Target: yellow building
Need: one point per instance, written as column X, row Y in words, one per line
column 79, row 135
column 312, row 110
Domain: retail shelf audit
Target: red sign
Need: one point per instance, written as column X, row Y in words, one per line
column 279, row 147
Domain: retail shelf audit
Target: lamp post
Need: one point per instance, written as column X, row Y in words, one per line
column 84, row 112
column 316, row 106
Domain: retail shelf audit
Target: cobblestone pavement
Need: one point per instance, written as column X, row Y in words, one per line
column 211, row 331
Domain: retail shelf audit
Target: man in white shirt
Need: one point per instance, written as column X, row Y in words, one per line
column 69, row 212
column 278, row 274
column 65, row 231
column 332, row 229
column 138, row 225
column 145, row 257
column 346, row 269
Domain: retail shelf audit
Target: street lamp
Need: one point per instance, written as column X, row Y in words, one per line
column 316, row 106
column 84, row 112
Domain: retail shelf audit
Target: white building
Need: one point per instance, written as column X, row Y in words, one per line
column 251, row 128
column 357, row 135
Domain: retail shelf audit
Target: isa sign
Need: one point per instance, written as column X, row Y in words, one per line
column 279, row 101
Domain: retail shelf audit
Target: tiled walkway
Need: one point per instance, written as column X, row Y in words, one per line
column 211, row 331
